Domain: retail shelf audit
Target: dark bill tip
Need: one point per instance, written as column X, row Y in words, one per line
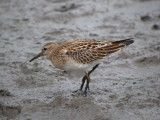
column 37, row 56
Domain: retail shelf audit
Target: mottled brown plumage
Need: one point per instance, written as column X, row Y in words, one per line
column 80, row 54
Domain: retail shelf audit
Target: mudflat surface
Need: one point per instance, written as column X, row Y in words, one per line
column 126, row 86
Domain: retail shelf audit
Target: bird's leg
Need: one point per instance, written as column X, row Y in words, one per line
column 83, row 81
column 81, row 87
column 85, row 77
column 93, row 69
column 87, row 84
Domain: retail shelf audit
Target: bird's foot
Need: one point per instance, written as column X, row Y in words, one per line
column 86, row 90
column 76, row 91
column 81, row 92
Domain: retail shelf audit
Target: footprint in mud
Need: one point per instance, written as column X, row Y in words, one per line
column 9, row 111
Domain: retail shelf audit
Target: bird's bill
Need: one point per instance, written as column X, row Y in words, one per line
column 37, row 56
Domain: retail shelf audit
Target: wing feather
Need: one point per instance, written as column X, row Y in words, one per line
column 86, row 51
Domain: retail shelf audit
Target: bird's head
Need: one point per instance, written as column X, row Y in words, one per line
column 46, row 50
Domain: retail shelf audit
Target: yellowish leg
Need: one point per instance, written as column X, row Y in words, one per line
column 88, row 77
column 87, row 84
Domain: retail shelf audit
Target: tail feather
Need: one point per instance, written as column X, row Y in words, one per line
column 123, row 42
column 113, row 46
column 116, row 45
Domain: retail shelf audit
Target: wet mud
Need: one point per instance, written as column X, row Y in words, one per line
column 126, row 85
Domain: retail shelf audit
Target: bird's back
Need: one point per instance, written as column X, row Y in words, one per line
column 86, row 51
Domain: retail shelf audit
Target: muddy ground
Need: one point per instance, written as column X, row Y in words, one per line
column 126, row 86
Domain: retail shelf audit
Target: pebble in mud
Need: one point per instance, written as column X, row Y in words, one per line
column 145, row 18
column 134, row 83
column 115, row 83
column 155, row 27
column 5, row 93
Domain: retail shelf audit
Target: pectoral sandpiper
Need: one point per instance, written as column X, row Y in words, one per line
column 81, row 54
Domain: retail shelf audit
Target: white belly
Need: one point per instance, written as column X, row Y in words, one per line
column 74, row 66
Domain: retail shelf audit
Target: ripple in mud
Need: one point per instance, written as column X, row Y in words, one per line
column 72, row 103
column 147, row 61
column 58, row 101
column 66, row 8
column 77, row 102
column 26, row 70
column 9, row 111
column 30, row 81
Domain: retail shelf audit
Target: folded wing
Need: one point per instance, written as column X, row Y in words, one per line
column 86, row 51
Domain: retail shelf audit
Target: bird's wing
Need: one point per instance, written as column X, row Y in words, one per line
column 85, row 51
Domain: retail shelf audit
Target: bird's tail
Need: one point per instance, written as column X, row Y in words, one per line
column 113, row 46
column 123, row 42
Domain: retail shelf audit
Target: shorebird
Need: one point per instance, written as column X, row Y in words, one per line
column 81, row 54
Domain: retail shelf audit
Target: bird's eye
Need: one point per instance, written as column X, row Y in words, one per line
column 44, row 48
